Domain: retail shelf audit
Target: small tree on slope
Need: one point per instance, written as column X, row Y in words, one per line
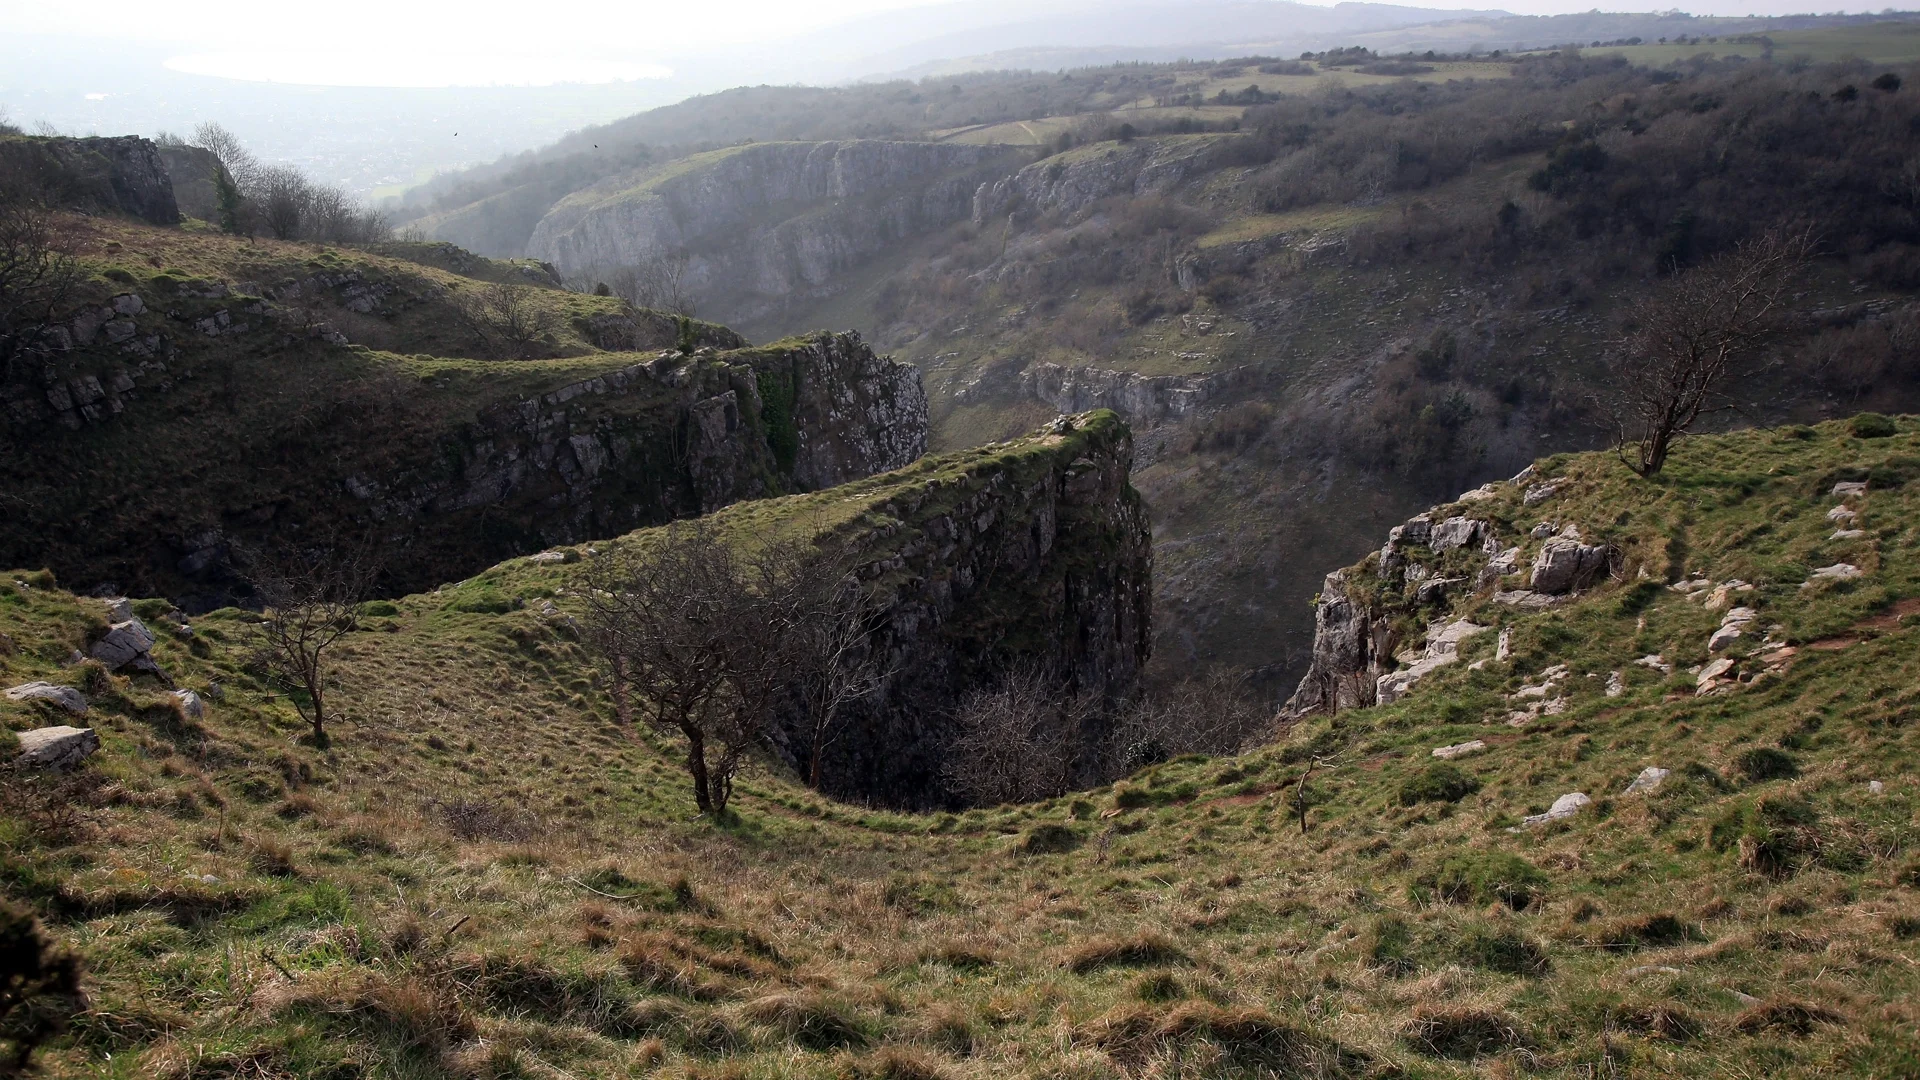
column 1703, row 329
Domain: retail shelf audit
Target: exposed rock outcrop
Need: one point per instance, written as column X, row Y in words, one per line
column 195, row 174
column 125, row 174
column 1036, row 552
column 1426, row 567
column 56, row 748
column 770, row 221
column 1145, row 400
column 452, row 486
column 1071, row 182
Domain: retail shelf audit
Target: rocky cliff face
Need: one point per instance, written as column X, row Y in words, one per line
column 1145, row 400
column 193, row 173
column 124, row 175
column 365, row 443
column 765, row 223
column 1071, row 182
column 1034, row 552
column 1460, row 555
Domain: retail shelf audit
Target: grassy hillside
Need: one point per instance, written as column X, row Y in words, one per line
column 484, row 876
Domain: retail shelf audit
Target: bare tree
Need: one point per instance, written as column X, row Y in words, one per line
column 38, row 275
column 511, row 315
column 698, row 636
column 656, row 283
column 309, row 595
column 1210, row 713
column 1017, row 741
column 833, row 661
column 227, row 148
column 1703, row 329
column 284, row 196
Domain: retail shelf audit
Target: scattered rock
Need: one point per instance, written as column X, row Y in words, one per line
column 1443, row 648
column 1722, row 596
column 1713, row 676
column 1875, row 787
column 548, row 557
column 1842, row 515
column 1616, row 684
column 190, row 704
column 119, row 609
column 1436, row 590
column 1656, row 662
column 1847, row 534
column 1732, row 627
column 1457, row 532
column 1848, row 488
column 1541, row 492
column 1448, row 753
column 1836, row 572
column 1479, row 494
column 1563, row 807
column 1544, row 530
column 128, row 304
column 1523, row 474
column 1645, row 970
column 1502, row 564
column 1690, row 587
column 1526, row 599
column 1566, row 565
column 1503, row 648
column 64, row 696
column 127, row 642
column 56, row 747
column 1649, row 780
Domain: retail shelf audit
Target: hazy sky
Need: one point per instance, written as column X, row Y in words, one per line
column 436, row 42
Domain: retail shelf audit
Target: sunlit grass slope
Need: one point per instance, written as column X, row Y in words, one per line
column 486, row 876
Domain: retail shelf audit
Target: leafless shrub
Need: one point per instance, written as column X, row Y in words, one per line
column 656, row 283
column 1703, row 329
column 485, row 819
column 310, row 594
column 38, row 275
column 1212, row 713
column 1018, row 741
column 511, row 316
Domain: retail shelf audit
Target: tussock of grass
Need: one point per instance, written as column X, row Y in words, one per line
column 1140, row 950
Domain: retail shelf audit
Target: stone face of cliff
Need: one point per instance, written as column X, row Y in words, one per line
column 193, row 173
column 1459, row 554
column 764, row 223
column 1069, row 183
column 125, row 174
column 362, row 442
column 1036, row 552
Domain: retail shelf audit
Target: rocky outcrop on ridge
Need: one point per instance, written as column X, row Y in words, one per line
column 1034, row 553
column 765, row 222
column 1364, row 612
column 124, row 174
column 1069, row 183
column 449, row 490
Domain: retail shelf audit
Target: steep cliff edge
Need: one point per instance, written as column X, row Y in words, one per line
column 124, row 174
column 1773, row 540
column 176, row 413
column 1035, row 552
column 766, row 223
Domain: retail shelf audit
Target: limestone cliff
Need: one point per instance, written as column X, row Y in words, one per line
column 1031, row 552
column 125, row 174
column 170, row 460
column 765, row 223
column 1488, row 550
column 1069, row 183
